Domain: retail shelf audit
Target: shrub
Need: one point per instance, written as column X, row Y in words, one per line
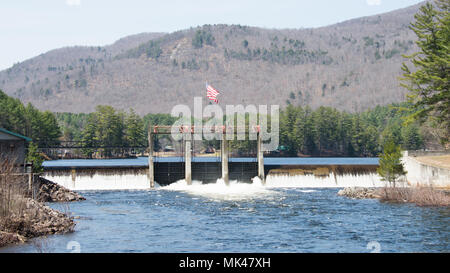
column 422, row 196
column 12, row 203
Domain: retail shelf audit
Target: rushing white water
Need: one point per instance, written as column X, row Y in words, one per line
column 129, row 181
column 329, row 181
column 125, row 181
column 237, row 190
column 220, row 191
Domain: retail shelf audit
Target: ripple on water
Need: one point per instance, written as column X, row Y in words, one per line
column 247, row 218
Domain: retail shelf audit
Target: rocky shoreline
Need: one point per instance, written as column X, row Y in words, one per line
column 49, row 191
column 360, row 193
column 31, row 218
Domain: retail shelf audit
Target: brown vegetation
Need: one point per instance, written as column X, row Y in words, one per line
column 12, row 203
column 21, row 217
column 421, row 196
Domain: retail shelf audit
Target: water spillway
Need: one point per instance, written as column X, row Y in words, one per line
column 100, row 179
column 325, row 176
column 124, row 174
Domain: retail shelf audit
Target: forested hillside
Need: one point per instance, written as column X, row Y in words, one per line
column 351, row 66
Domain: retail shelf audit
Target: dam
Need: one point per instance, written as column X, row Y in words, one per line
column 120, row 174
column 153, row 171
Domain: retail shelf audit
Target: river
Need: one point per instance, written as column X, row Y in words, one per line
column 243, row 217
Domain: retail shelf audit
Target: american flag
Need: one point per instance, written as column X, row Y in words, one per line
column 212, row 93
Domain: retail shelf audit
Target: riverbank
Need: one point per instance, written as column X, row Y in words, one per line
column 49, row 191
column 33, row 220
column 23, row 218
column 244, row 219
column 421, row 196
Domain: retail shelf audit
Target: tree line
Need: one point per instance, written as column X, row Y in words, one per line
column 28, row 120
column 324, row 131
column 303, row 131
column 329, row 132
column 109, row 127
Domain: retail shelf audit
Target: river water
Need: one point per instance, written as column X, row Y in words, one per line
column 244, row 217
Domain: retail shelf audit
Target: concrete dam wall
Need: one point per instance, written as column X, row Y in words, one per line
column 123, row 178
column 427, row 168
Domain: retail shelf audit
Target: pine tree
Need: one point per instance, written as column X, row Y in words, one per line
column 391, row 168
column 35, row 158
column 89, row 135
column 134, row 130
column 429, row 81
column 412, row 140
column 287, row 125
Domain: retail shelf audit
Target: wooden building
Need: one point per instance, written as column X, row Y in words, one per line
column 13, row 146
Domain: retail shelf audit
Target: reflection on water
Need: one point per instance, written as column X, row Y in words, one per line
column 245, row 218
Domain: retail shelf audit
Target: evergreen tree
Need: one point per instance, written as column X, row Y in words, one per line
column 429, row 81
column 371, row 141
column 134, row 131
column 391, row 168
column 358, row 136
column 309, row 131
column 287, row 125
column 299, row 131
column 392, row 132
column 412, row 140
column 345, row 134
column 89, row 135
column 35, row 158
column 28, row 121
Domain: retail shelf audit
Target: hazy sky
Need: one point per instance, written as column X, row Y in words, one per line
column 31, row 27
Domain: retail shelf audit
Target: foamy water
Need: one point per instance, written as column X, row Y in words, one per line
column 256, row 189
column 219, row 190
column 101, row 181
column 329, row 181
column 287, row 220
column 129, row 181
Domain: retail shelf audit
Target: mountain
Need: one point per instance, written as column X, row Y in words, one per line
column 351, row 65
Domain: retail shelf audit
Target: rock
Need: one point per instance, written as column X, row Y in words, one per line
column 38, row 219
column 32, row 218
column 52, row 192
column 359, row 193
column 8, row 238
column 35, row 219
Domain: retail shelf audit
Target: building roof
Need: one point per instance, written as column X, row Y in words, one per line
column 2, row 130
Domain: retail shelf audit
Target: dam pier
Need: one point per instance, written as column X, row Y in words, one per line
column 203, row 171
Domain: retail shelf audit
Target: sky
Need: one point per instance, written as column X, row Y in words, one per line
column 32, row 27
